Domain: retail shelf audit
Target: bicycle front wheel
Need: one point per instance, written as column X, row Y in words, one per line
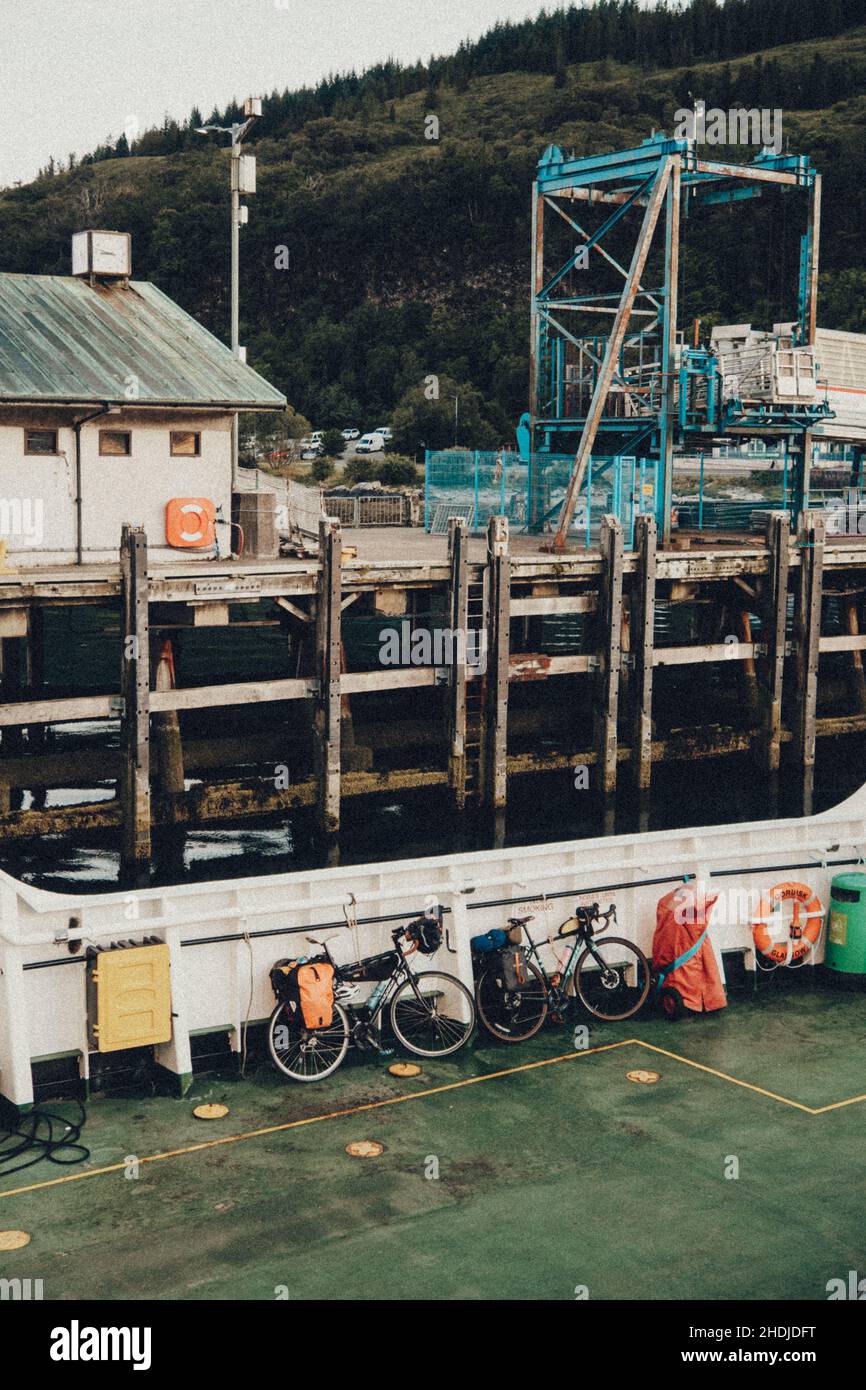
column 511, row 1015
column 612, row 979
column 307, row 1054
column 432, row 1014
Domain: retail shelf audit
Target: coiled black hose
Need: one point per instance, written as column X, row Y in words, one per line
column 43, row 1135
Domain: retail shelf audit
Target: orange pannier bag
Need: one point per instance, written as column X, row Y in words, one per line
column 306, row 986
column 316, row 989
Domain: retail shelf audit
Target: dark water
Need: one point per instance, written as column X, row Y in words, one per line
column 81, row 653
column 541, row 810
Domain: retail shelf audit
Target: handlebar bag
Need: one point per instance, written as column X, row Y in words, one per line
column 426, row 932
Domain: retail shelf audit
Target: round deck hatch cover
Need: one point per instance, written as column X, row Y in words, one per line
column 646, row 1078
column 404, row 1069
column 210, row 1112
column 13, row 1240
column 365, row 1148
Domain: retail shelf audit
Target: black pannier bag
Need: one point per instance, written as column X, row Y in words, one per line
column 426, row 932
column 513, row 968
column 379, row 967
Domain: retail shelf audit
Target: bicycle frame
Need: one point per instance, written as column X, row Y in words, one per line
column 583, row 935
column 361, row 1017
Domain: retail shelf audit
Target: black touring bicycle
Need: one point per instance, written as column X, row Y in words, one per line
column 431, row 1013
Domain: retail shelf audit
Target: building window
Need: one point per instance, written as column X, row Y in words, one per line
column 185, row 444
column 115, row 442
column 40, row 441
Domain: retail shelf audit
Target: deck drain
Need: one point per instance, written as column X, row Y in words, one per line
column 13, row 1240
column 646, row 1078
column 404, row 1069
column 365, row 1148
column 210, row 1112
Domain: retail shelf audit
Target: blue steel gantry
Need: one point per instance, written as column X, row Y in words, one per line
column 637, row 386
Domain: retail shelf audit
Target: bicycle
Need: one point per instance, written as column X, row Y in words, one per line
column 611, row 978
column 432, row 1013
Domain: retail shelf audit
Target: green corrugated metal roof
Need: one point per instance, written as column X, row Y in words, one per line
column 63, row 340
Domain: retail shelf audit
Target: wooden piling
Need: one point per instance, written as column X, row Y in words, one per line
column 134, row 786
column 166, row 729
column 458, row 618
column 775, row 627
column 495, row 741
column 807, row 634
column 858, row 677
column 610, row 628
column 642, row 647
column 328, row 642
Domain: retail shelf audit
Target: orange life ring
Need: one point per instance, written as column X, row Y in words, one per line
column 804, row 929
column 190, row 522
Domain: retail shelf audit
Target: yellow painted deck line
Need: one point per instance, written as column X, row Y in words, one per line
column 746, row 1085
column 432, row 1091
column 317, row 1119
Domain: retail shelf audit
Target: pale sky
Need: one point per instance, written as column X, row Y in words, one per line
column 73, row 72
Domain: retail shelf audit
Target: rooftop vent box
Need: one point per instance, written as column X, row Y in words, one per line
column 102, row 253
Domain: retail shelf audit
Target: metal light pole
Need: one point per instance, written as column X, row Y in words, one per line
column 243, row 180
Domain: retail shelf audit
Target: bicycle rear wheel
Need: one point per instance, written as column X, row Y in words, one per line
column 307, row 1054
column 612, row 979
column 432, row 1014
column 511, row 1015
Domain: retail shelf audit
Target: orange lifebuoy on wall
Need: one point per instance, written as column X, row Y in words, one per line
column 190, row 522
column 802, row 930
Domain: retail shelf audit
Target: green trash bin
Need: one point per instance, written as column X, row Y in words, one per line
column 846, row 928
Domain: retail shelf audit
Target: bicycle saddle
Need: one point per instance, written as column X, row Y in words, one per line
column 520, row 921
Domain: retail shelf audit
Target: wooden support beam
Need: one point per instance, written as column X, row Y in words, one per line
column 328, row 641
column 134, row 789
column 458, row 617
column 495, row 741
column 775, row 624
column 533, row 606
column 642, row 639
column 610, row 629
column 807, row 637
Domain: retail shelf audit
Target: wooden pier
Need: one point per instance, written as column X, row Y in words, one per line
column 494, row 588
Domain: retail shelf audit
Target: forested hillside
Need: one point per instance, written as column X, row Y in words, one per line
column 409, row 255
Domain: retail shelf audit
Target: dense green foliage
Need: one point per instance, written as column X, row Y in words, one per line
column 408, row 255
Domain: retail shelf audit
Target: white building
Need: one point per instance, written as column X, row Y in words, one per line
column 115, row 405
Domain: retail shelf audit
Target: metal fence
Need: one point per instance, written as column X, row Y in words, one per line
column 477, row 484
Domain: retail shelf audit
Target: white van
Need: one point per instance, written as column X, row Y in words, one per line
column 370, row 444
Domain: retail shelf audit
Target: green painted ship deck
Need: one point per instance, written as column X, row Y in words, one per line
column 555, row 1172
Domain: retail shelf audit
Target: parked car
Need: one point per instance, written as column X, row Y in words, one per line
column 386, row 432
column 313, row 451
column 351, row 434
column 314, row 440
column 371, row 444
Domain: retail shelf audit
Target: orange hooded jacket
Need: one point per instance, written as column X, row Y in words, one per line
column 681, row 917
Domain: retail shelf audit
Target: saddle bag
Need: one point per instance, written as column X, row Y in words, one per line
column 306, row 989
column 489, row 941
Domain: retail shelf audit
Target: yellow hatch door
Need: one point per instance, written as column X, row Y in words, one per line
column 133, row 997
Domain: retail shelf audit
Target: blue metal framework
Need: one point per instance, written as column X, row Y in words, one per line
column 634, row 384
